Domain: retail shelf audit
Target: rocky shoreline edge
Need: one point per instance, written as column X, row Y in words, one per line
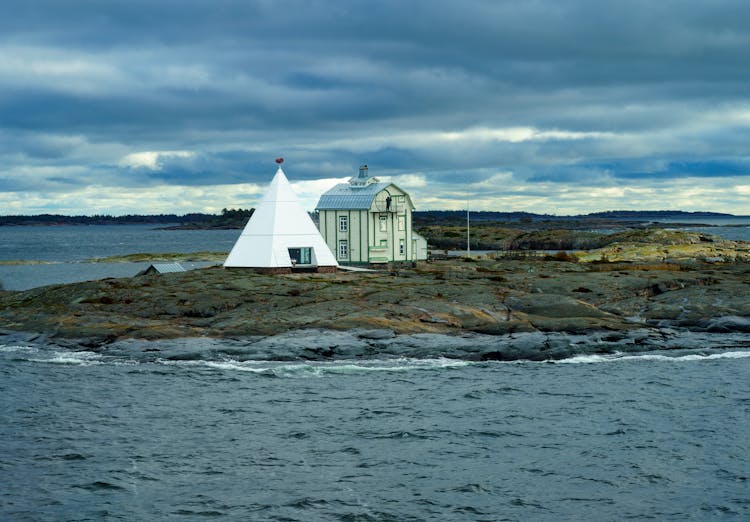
column 478, row 309
column 364, row 345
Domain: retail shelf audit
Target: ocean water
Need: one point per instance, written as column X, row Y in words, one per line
column 201, row 430
column 71, row 244
column 65, row 251
column 98, row 436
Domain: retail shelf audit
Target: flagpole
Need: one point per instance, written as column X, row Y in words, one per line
column 468, row 243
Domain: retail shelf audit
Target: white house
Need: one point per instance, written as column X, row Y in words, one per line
column 281, row 236
column 369, row 221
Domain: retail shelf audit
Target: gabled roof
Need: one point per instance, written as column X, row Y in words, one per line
column 346, row 196
column 278, row 224
column 162, row 268
column 166, row 268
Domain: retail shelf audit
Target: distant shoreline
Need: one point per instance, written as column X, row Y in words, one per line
column 237, row 219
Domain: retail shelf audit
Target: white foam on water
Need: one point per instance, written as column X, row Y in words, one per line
column 5, row 348
column 320, row 368
column 585, row 359
column 236, row 366
column 72, row 358
column 617, row 357
column 392, row 365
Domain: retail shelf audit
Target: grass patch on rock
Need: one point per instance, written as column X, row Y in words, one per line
column 172, row 257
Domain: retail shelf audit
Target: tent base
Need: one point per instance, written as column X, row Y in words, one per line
column 286, row 269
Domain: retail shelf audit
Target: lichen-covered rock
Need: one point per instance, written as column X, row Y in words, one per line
column 668, row 246
column 487, row 296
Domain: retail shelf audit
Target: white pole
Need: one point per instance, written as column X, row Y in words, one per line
column 468, row 243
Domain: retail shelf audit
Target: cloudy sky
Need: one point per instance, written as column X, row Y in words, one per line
column 539, row 105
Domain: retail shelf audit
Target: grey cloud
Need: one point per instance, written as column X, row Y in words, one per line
column 237, row 83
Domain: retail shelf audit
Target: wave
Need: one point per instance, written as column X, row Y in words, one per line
column 306, row 369
column 72, row 358
column 320, row 368
column 286, row 356
column 12, row 348
column 617, row 357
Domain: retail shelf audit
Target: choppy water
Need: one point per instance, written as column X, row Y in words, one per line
column 202, row 429
column 113, row 436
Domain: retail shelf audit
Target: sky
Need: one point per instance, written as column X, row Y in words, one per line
column 539, row 105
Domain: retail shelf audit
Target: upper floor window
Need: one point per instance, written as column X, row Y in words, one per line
column 402, row 222
column 343, row 223
column 383, row 223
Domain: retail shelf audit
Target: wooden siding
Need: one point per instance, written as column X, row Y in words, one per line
column 366, row 242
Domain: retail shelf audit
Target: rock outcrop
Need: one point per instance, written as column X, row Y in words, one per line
column 451, row 297
column 654, row 245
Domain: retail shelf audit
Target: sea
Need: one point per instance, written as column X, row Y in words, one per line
column 43, row 255
column 207, row 431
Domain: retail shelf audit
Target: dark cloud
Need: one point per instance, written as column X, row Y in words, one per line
column 626, row 92
column 682, row 169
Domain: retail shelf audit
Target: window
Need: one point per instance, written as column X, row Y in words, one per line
column 384, row 223
column 402, row 222
column 300, row 256
column 401, row 247
column 343, row 223
column 343, row 249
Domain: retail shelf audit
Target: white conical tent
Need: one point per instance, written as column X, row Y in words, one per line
column 278, row 224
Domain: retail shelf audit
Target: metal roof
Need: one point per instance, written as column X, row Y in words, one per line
column 346, row 196
column 166, row 268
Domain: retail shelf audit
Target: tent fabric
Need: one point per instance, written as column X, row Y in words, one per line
column 278, row 224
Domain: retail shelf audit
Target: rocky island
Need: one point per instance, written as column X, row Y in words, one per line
column 625, row 292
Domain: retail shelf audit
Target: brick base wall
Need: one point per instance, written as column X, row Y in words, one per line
column 287, row 270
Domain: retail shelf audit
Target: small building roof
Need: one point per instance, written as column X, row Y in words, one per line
column 165, row 268
column 162, row 268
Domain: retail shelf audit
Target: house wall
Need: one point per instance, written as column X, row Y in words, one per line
column 365, row 239
column 356, row 234
column 392, row 236
column 420, row 248
column 364, row 236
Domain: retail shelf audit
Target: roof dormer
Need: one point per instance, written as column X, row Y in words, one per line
column 363, row 178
